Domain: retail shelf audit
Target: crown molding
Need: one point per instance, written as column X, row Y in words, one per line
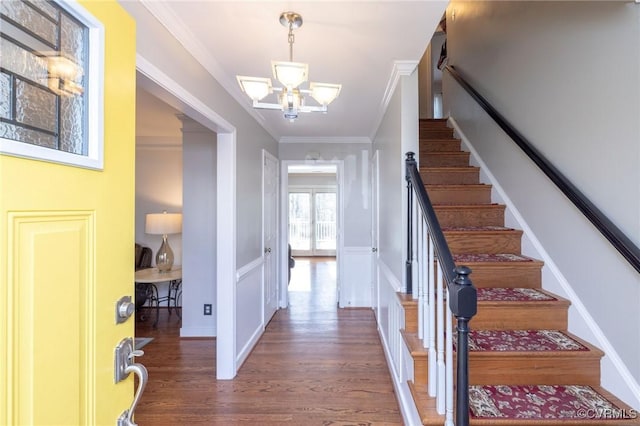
column 400, row 69
column 178, row 29
column 325, row 140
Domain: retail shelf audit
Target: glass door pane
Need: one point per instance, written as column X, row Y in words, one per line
column 300, row 221
column 325, row 218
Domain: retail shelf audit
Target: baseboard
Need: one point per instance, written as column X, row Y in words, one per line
column 248, row 347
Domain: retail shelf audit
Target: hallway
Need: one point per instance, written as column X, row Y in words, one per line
column 315, row 365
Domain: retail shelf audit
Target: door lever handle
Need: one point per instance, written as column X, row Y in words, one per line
column 126, row 418
column 125, row 365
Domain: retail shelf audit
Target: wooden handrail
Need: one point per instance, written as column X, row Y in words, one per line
column 609, row 230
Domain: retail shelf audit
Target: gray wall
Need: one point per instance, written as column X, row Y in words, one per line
column 567, row 75
column 356, row 192
column 157, row 46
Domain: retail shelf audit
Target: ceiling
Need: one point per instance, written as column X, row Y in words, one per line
column 354, row 43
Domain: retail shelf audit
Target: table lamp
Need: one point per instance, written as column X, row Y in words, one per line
column 164, row 224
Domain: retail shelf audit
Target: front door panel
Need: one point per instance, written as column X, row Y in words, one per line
column 66, row 253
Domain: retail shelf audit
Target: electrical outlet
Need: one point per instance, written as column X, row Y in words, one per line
column 207, row 308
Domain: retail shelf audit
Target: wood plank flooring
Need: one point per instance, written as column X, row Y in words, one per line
column 315, row 365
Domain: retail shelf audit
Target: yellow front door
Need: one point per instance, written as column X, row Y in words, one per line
column 66, row 257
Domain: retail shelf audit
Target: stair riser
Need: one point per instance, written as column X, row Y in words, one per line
column 521, row 316
column 460, row 195
column 436, row 133
column 421, row 370
column 534, row 369
column 490, row 215
column 433, row 122
column 485, row 242
column 411, row 318
column 446, row 145
column 508, row 276
column 451, row 177
column 445, row 159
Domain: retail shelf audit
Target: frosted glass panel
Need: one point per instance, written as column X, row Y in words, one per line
column 46, row 8
column 5, row 96
column 30, row 19
column 16, row 133
column 35, row 106
column 44, row 52
column 71, row 125
column 72, row 41
column 22, row 62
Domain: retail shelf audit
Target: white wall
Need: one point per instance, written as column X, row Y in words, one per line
column 567, row 75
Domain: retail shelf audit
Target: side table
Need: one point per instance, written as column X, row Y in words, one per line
column 150, row 277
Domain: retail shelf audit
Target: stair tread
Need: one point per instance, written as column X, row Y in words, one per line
column 449, row 169
column 483, row 258
column 548, row 343
column 457, row 185
column 478, row 228
column 550, row 404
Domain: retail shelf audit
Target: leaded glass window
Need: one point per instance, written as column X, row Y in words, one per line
column 44, row 76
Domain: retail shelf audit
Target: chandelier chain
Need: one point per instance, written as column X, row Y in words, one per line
column 292, row 40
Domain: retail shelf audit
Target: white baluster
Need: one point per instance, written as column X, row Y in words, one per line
column 440, row 392
column 432, row 321
column 422, row 254
column 449, row 364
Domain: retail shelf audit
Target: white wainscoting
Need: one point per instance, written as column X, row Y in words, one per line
column 249, row 305
column 355, row 282
column 390, row 321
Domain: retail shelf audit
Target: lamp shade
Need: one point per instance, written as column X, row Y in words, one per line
column 163, row 223
column 290, row 74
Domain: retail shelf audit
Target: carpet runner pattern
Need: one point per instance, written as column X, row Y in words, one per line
column 541, row 402
column 498, row 294
column 485, row 257
column 522, row 340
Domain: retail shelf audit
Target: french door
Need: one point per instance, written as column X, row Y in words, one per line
column 312, row 222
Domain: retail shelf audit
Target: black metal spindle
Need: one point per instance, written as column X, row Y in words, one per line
column 409, row 263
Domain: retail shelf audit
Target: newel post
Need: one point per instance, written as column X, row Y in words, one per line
column 466, row 306
column 410, row 162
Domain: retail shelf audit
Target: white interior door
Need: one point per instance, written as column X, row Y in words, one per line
column 270, row 227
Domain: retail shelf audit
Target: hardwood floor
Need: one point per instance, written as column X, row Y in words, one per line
column 315, row 365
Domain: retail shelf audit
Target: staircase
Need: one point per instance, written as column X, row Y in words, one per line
column 524, row 366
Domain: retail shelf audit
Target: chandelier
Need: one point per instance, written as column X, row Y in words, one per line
column 291, row 97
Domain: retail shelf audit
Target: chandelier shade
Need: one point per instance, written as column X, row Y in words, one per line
column 324, row 93
column 291, row 97
column 255, row 87
column 290, row 74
